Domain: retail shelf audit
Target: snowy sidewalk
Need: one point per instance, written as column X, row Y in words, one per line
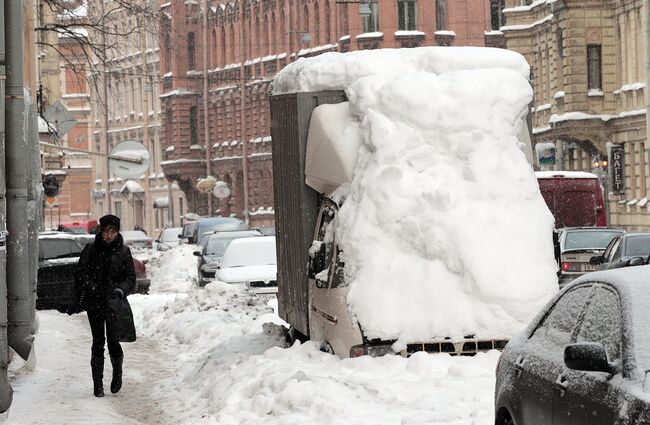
column 59, row 391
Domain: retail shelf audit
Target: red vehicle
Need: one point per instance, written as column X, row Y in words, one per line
column 83, row 226
column 575, row 198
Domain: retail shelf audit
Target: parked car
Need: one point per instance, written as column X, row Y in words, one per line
column 136, row 239
column 575, row 198
column 168, row 238
column 185, row 235
column 584, row 358
column 212, row 248
column 57, row 259
column 578, row 245
column 251, row 262
column 83, row 226
column 142, row 281
column 210, row 224
column 629, row 249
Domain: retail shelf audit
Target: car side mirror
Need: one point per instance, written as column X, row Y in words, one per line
column 180, row 236
column 636, row 261
column 197, row 254
column 586, row 356
column 596, row 259
column 316, row 258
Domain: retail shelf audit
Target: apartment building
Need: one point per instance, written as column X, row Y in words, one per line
column 589, row 70
column 221, row 128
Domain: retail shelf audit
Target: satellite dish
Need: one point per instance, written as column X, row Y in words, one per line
column 129, row 159
column 221, row 190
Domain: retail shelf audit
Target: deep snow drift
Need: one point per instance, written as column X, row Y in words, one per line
column 444, row 230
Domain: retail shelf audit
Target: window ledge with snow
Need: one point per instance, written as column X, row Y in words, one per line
column 445, row 33
column 595, row 93
column 367, row 35
column 632, row 202
column 196, row 147
column 403, row 34
column 642, row 202
column 559, row 95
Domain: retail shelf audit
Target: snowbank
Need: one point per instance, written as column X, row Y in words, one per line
column 174, row 270
column 444, row 230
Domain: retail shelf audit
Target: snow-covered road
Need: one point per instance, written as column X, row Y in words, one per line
column 204, row 356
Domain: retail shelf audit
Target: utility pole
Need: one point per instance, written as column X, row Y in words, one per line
column 242, row 97
column 646, row 22
column 148, row 220
column 206, row 119
column 107, row 174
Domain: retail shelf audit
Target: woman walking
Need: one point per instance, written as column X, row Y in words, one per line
column 105, row 270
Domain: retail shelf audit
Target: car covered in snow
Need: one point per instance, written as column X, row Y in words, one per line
column 584, row 358
column 578, row 245
column 251, row 262
column 630, row 249
column 58, row 254
column 136, row 239
column 169, row 238
column 213, row 246
column 212, row 224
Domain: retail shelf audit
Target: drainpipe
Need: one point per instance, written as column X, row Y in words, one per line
column 6, row 393
column 34, row 190
column 646, row 24
column 18, row 290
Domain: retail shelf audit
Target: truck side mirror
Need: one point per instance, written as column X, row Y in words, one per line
column 317, row 253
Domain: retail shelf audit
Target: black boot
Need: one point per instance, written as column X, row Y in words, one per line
column 116, row 383
column 97, row 367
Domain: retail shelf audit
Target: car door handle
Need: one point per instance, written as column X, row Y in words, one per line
column 562, row 383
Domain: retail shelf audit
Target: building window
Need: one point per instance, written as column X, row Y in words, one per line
column 406, row 14
column 180, row 207
column 371, row 22
column 194, row 126
column 594, row 75
column 117, row 209
column 191, row 63
column 496, row 9
column 441, row 15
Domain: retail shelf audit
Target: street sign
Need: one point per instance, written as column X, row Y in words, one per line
column 51, row 186
column 59, row 116
column 617, row 167
column 129, row 159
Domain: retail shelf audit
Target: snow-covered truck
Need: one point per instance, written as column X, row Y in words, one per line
column 408, row 216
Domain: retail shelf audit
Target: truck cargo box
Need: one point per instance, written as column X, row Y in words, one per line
column 296, row 204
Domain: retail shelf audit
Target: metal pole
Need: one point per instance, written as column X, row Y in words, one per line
column 206, row 118
column 107, row 174
column 646, row 23
column 242, row 97
column 34, row 193
column 5, row 389
column 148, row 219
column 18, row 311
column 170, row 206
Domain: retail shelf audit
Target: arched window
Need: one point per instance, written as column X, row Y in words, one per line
column 167, row 52
column 306, row 36
column 223, row 60
column 214, row 48
column 328, row 29
column 317, row 23
column 191, row 59
column 283, row 32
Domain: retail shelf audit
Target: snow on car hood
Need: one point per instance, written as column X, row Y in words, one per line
column 247, row 273
column 444, row 231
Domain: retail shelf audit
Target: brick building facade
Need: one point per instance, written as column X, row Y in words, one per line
column 247, row 44
column 588, row 65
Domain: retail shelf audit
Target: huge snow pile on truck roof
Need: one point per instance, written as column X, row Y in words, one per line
column 444, row 231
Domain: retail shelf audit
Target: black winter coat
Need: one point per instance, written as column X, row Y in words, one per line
column 102, row 268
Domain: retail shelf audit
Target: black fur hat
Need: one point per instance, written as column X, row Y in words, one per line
column 109, row 220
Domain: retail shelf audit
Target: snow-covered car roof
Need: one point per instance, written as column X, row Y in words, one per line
column 58, row 235
column 565, row 174
column 134, row 235
column 256, row 250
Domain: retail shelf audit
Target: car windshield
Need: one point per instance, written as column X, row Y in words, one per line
column 637, row 245
column 589, row 239
column 250, row 252
column 220, row 223
column 50, row 249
